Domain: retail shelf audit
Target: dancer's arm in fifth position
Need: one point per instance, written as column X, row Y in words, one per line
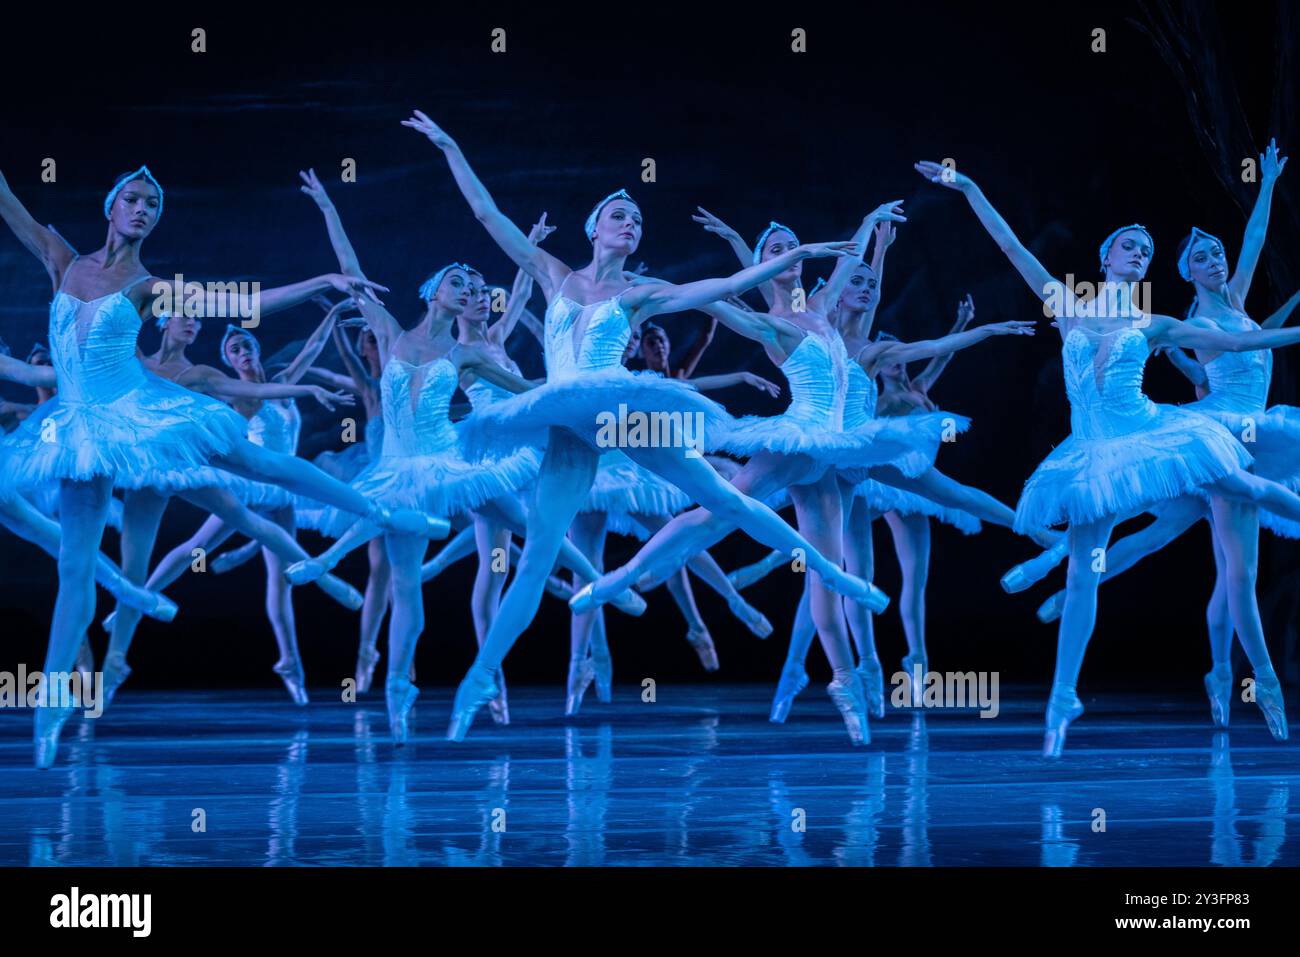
column 1271, row 164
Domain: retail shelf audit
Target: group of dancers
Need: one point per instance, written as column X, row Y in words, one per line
column 531, row 461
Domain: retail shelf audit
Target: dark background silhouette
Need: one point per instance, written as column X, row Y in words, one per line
column 1067, row 143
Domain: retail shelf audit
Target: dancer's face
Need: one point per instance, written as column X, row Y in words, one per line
column 618, row 227
column 1208, row 264
column 1129, row 256
column 654, row 349
column 368, row 346
column 241, row 352
column 454, row 292
column 183, row 329
column 40, row 358
column 780, row 241
column 479, row 309
column 860, row 294
column 633, row 345
column 134, row 212
column 894, row 375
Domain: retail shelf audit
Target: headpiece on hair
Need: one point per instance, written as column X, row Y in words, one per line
column 1109, row 241
column 237, row 331
column 1185, row 260
column 589, row 227
column 883, row 336
column 142, row 173
column 430, row 287
column 816, row 286
column 772, row 227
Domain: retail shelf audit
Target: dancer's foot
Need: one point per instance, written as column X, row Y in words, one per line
column 1050, row 610
column 700, row 640
column 750, row 617
column 294, row 678
column 1268, row 695
column 846, row 692
column 476, row 690
column 498, row 706
column 602, row 664
column 558, row 588
column 1218, row 685
column 586, row 600
column 367, row 660
column 307, row 571
column 629, row 603
column 341, row 592
column 116, row 671
column 1035, row 570
column 1063, row 707
column 49, row 724
column 910, row 664
column 793, row 680
column 151, row 603
column 581, row 675
column 744, row 577
column 873, row 685
column 400, row 695
column 407, row 521
column 857, row 589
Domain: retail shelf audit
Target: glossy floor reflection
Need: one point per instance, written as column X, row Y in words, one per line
column 697, row 778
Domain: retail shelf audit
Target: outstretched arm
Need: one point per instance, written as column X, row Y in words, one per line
column 1279, row 318
column 43, row 243
column 231, row 299
column 762, row 327
column 542, row 266
column 15, row 370
column 521, row 291
column 697, row 350
column 314, row 344
column 708, row 383
column 347, row 256
column 878, row 353
column 1271, row 164
column 210, row 381
column 829, row 294
column 473, row 359
column 712, row 224
column 356, row 369
column 1189, row 367
column 934, row 368
column 1197, row 333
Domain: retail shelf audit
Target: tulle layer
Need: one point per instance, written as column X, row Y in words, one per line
column 157, row 435
column 623, row 488
column 609, row 409
column 887, row 498
column 1083, row 480
column 256, row 495
column 1272, row 437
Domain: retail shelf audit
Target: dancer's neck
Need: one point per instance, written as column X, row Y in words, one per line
column 606, row 267
column 119, row 250
column 171, row 353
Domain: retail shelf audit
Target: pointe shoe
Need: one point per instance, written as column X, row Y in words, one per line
column 341, row 592
column 400, row 695
column 407, row 521
column 49, row 725
column 367, row 660
column 793, row 680
column 742, row 578
column 910, row 663
column 702, row 642
column 151, row 603
column 1035, row 569
column 581, row 675
column 294, row 678
column 476, row 690
column 1061, row 710
column 116, row 671
column 873, row 686
column 1218, row 685
column 863, row 592
column 629, row 603
column 558, row 588
column 603, row 667
column 847, row 695
column 107, row 623
column 1268, row 695
column 306, row 571
column 749, row 616
column 498, row 706
column 1050, row 610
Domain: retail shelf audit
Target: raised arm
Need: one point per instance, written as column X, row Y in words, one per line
column 347, row 256
column 311, row 349
column 879, row 353
column 332, row 379
column 762, row 327
column 1279, row 318
column 651, row 299
column 352, row 363
column 934, row 368
column 223, row 299
column 1271, row 164
column 830, row 293
column 521, row 291
column 1035, row 274
column 697, row 349
column 712, row 224
column 15, row 370
column 542, row 266
column 43, row 243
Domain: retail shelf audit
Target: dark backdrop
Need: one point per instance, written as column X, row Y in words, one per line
column 1068, row 143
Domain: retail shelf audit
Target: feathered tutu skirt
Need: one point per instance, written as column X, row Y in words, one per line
column 1086, row 479
column 623, row 490
column 157, row 434
column 886, row 498
column 344, row 466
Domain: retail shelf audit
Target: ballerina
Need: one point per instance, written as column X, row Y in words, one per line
column 584, row 344
column 114, row 424
column 1126, row 454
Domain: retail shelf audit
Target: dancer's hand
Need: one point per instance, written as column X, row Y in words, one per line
column 758, row 382
column 891, row 212
column 1015, row 327
column 436, row 134
column 943, row 175
column 329, row 399
column 714, row 225
column 1271, row 162
column 355, row 286
column 311, row 185
column 540, row 231
column 821, row 250
column 885, row 235
column 965, row 312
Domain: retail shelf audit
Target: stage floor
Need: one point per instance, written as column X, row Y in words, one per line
column 697, row 778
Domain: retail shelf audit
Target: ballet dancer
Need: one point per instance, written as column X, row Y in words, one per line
column 1126, row 454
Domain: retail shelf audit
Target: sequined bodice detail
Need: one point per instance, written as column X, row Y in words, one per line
column 276, row 426
column 93, row 346
column 817, row 371
column 860, row 398
column 482, row 393
column 1238, row 380
column 1105, row 387
column 605, row 336
column 416, row 401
